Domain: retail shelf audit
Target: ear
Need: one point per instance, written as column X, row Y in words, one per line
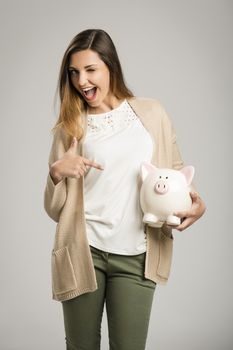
column 146, row 168
column 188, row 172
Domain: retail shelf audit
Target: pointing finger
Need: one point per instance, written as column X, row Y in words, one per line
column 93, row 164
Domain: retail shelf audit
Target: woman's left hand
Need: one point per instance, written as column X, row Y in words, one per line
column 188, row 217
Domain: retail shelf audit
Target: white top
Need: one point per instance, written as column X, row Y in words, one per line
column 117, row 140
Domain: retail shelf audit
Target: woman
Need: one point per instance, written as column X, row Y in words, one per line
column 102, row 251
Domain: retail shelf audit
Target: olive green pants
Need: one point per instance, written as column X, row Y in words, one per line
column 128, row 297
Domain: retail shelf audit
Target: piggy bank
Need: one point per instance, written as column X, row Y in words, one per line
column 163, row 192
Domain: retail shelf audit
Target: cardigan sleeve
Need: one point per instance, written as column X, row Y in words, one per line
column 177, row 161
column 55, row 195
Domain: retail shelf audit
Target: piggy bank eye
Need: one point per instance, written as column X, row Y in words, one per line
column 166, row 177
column 160, row 177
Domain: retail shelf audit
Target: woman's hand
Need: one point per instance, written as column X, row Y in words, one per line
column 188, row 217
column 71, row 165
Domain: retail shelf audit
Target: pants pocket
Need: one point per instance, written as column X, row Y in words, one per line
column 63, row 276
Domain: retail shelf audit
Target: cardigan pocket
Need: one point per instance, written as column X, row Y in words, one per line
column 165, row 255
column 63, row 276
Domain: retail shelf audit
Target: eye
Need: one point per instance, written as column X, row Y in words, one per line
column 71, row 71
column 166, row 177
column 160, row 177
column 74, row 72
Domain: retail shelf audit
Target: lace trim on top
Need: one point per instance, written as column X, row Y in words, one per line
column 118, row 117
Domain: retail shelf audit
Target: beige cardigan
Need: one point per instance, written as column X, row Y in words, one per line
column 72, row 266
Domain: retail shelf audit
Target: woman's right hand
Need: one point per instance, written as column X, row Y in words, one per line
column 71, row 164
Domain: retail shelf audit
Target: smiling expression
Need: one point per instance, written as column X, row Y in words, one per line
column 86, row 71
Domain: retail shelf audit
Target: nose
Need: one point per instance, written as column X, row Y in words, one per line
column 82, row 80
column 161, row 187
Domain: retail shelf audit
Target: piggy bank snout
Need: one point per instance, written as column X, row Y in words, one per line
column 161, row 187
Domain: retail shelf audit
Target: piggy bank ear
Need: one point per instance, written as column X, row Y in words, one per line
column 188, row 172
column 145, row 169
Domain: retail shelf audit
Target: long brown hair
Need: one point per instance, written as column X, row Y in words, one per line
column 72, row 104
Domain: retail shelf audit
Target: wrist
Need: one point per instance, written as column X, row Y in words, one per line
column 54, row 173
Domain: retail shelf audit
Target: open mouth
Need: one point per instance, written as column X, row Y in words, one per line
column 90, row 94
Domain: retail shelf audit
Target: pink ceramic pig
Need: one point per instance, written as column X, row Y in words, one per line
column 163, row 192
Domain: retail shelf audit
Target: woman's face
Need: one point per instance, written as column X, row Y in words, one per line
column 87, row 71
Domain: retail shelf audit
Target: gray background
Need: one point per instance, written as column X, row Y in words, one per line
column 179, row 52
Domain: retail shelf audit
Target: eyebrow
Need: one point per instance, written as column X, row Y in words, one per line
column 89, row 65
